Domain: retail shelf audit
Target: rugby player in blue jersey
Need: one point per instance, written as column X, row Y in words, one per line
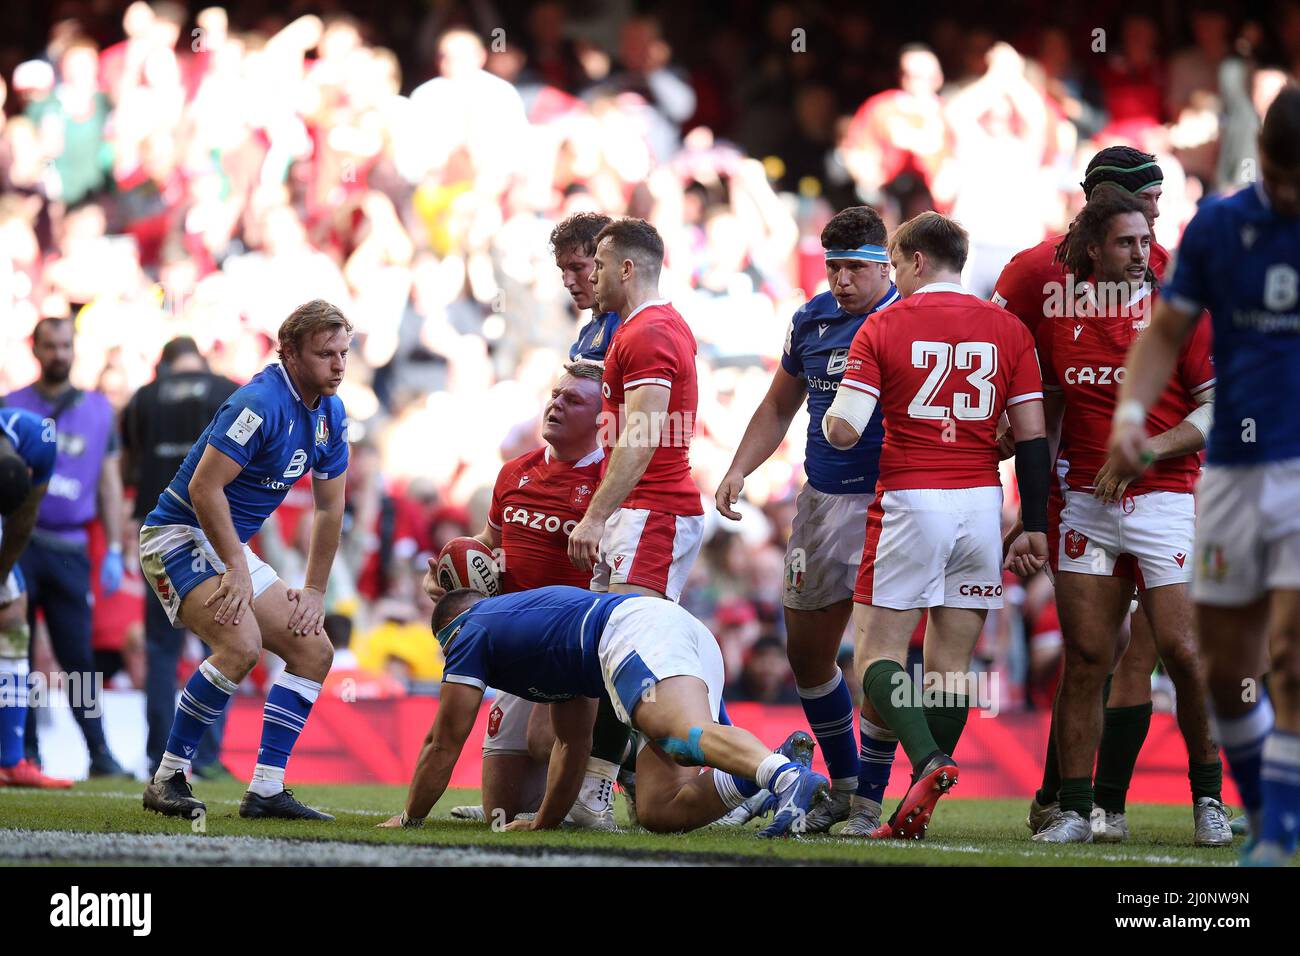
column 573, row 243
column 27, row 453
column 662, row 671
column 830, row 523
column 193, row 548
column 1240, row 259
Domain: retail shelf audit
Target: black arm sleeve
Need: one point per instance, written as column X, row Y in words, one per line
column 1033, row 476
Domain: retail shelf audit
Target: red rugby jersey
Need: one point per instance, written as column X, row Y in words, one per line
column 1033, row 283
column 654, row 346
column 1083, row 357
column 944, row 365
column 536, row 502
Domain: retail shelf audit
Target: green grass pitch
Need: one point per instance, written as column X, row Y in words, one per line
column 102, row 822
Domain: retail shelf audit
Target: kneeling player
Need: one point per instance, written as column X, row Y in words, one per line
column 1116, row 528
column 27, row 452
column 662, row 671
column 944, row 366
column 538, row 498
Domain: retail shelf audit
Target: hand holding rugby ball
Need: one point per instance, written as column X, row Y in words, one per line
column 467, row 563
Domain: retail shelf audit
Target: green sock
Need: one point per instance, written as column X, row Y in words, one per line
column 947, row 720
column 1206, row 780
column 1050, row 791
column 1076, row 795
column 609, row 735
column 898, row 702
column 1123, row 731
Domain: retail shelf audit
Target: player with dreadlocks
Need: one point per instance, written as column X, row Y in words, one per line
column 1112, row 528
column 1035, row 284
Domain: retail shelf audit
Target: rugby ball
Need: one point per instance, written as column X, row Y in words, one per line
column 467, row 563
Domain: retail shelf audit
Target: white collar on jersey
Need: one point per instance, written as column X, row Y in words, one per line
column 644, row 305
column 293, row 391
column 591, row 459
column 944, row 287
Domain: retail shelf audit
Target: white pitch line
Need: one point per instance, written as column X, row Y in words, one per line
column 890, row 846
column 65, row 846
column 119, row 795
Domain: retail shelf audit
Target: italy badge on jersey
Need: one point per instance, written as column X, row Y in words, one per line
column 322, row 431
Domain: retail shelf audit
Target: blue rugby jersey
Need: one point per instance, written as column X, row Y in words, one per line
column 817, row 350
column 594, row 337
column 1241, row 260
column 275, row 437
column 540, row 645
column 33, row 440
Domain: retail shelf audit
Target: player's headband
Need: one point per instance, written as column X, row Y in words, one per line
column 1133, row 179
column 868, row 253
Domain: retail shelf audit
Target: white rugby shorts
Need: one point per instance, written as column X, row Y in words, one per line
column 933, row 547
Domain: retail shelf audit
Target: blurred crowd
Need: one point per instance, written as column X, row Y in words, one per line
column 166, row 171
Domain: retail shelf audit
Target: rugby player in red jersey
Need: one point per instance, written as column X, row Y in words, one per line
column 944, row 365
column 1036, row 284
column 1115, row 529
column 537, row 500
column 644, row 526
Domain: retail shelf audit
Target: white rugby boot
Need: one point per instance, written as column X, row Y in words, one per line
column 1041, row 814
column 1109, row 827
column 1213, row 823
column 1069, row 827
column 864, row 818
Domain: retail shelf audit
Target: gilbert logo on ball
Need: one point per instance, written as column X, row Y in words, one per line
column 467, row 563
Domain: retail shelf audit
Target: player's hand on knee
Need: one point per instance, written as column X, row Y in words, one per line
column 729, row 493
column 430, row 582
column 233, row 597
column 309, row 610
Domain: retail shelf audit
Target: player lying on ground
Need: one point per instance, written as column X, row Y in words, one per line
column 661, row 669
column 195, row 556
column 825, row 548
column 27, row 453
column 1115, row 528
column 944, row 365
column 537, row 498
column 1240, row 259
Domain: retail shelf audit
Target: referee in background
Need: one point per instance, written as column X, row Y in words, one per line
column 160, row 423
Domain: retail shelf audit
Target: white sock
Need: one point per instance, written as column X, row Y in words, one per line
column 267, row 781
column 725, row 784
column 169, row 764
column 217, row 678
column 767, row 770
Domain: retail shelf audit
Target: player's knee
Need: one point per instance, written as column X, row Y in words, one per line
column 1088, row 661
column 318, row 654
column 1182, row 663
column 238, row 657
